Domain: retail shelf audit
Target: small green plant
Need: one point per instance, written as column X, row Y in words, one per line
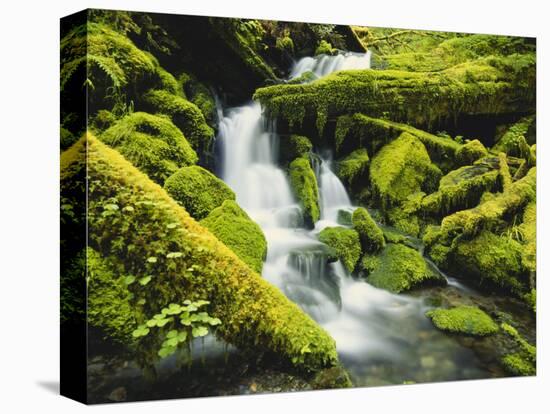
column 177, row 325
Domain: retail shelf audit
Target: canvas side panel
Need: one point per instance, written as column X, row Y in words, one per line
column 73, row 329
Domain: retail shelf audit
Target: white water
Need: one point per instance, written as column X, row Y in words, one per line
column 367, row 323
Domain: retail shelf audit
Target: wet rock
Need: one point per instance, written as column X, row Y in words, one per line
column 118, row 394
column 335, row 377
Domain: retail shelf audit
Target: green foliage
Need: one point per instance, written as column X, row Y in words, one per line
column 231, row 225
column 185, row 115
column 524, row 360
column 177, row 325
column 467, row 320
column 346, row 244
column 470, row 152
column 66, row 138
column 353, row 169
column 148, row 224
column 488, row 86
column 372, row 238
column 514, row 142
column 401, row 168
column 199, row 94
column 197, row 190
column 325, row 48
column 398, row 268
column 285, row 43
column 304, row 185
column 152, row 143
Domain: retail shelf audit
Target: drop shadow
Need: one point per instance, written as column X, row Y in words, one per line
column 51, row 386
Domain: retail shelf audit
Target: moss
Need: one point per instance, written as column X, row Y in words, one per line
column 304, row 185
column 110, row 306
column 200, row 95
column 354, row 168
column 528, row 229
column 471, row 151
column 405, row 217
column 490, row 214
column 231, row 225
column 401, row 168
column 488, row 86
column 147, row 223
column 504, row 171
column 358, row 131
column 294, row 146
column 325, row 48
column 530, row 299
column 460, row 189
column 102, row 121
column 66, row 138
column 168, row 82
column 197, row 190
column 346, row 244
column 152, row 143
column 285, row 43
column 514, row 142
column 372, row 238
column 468, row 320
column 398, row 268
column 330, row 378
column 185, row 115
column 523, row 361
column 491, row 259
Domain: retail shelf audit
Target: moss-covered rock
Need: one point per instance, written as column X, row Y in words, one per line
column 460, row 189
column 491, row 259
column 66, row 138
column 346, row 244
column 304, row 185
column 294, row 146
column 398, row 268
column 131, row 217
column 152, row 143
column 487, row 86
column 325, row 48
column 197, row 190
column 524, row 360
column 231, row 225
column 185, row 115
column 401, row 168
column 372, row 238
column 528, row 229
column 470, row 152
column 199, row 94
column 467, row 320
column 353, row 169
column 331, row 378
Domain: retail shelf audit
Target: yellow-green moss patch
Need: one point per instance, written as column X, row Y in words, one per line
column 468, row 320
column 231, row 225
column 346, row 244
column 304, row 185
column 372, row 238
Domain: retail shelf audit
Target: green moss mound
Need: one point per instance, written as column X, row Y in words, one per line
column 528, row 230
column 133, row 218
column 372, row 238
column 492, row 259
column 398, row 268
column 325, row 48
column 200, row 95
column 152, row 143
column 231, row 225
column 66, row 138
column 401, row 168
column 304, row 185
column 353, row 169
column 294, row 146
column 346, row 244
column 514, row 141
column 197, row 190
column 488, row 86
column 471, row 152
column 467, row 320
column 185, row 115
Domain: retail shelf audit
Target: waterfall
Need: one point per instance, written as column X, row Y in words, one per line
column 369, row 325
column 324, row 65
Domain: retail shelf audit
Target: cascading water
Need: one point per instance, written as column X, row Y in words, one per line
column 373, row 329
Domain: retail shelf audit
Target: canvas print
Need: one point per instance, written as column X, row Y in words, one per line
column 253, row 206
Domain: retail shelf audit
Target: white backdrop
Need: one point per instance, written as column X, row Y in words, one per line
column 29, row 229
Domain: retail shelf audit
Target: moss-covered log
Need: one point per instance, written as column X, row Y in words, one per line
column 488, row 86
column 131, row 217
column 304, row 185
